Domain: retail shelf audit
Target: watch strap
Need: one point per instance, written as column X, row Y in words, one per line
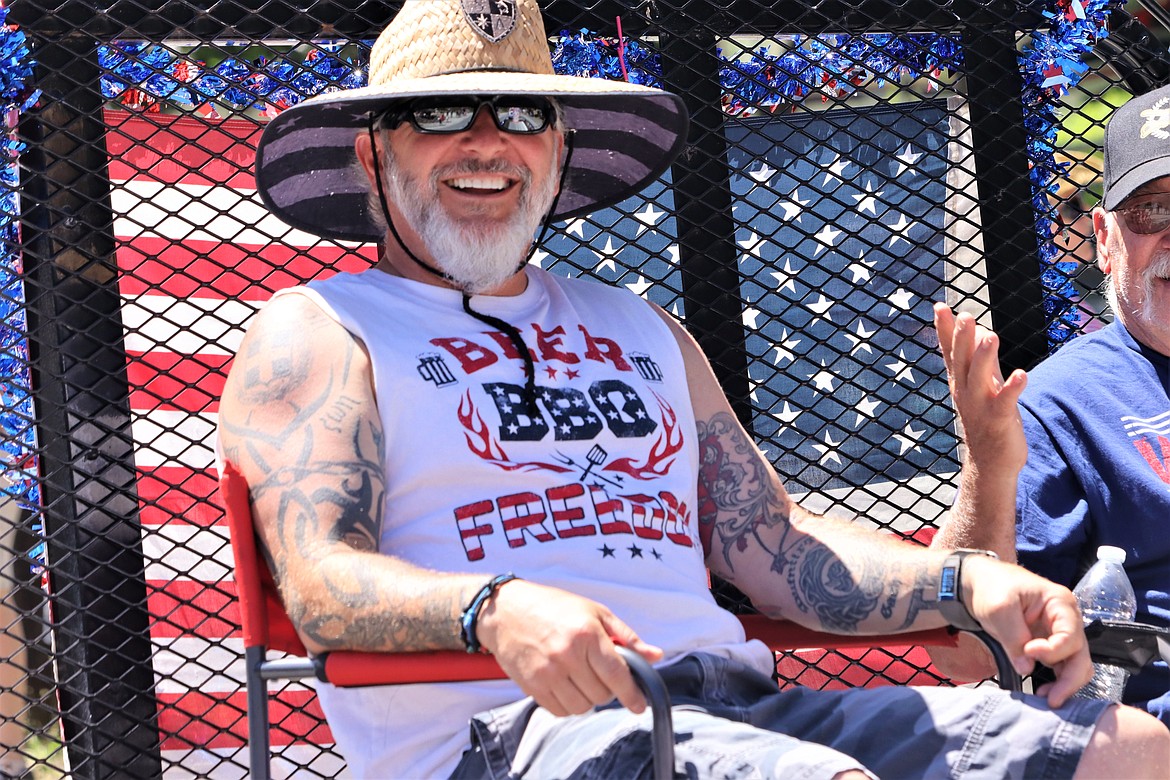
column 950, row 590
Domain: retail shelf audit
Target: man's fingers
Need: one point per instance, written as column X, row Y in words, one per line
column 944, row 325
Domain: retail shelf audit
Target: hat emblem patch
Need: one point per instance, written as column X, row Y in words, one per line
column 1157, row 121
column 493, row 19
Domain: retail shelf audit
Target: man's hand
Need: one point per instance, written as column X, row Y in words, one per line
column 985, row 403
column 559, row 648
column 1034, row 619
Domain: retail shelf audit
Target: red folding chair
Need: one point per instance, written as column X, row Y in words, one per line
column 267, row 627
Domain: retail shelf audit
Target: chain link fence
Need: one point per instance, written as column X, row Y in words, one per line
column 849, row 163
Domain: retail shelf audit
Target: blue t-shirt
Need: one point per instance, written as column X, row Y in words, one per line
column 1097, row 418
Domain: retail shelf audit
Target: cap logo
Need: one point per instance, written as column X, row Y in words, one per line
column 493, row 19
column 1157, row 121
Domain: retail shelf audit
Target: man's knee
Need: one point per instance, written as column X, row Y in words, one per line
column 1129, row 743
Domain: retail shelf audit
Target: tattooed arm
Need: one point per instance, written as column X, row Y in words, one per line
column 298, row 418
column 832, row 575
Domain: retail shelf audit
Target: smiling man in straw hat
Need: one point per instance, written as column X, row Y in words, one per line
column 457, row 450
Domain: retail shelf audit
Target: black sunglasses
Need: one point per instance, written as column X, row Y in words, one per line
column 1146, row 217
column 517, row 114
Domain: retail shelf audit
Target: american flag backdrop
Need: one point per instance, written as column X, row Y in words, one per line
column 841, row 221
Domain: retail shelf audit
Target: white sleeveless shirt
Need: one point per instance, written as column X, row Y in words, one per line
column 596, row 494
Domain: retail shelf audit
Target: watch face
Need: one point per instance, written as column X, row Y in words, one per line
column 946, row 586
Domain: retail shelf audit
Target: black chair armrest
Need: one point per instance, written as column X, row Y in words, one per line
column 1126, row 644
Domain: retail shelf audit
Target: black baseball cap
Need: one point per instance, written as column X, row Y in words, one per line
column 1137, row 145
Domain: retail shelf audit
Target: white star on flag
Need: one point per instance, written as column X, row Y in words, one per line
column 577, row 226
column 606, row 256
column 827, row 236
column 788, row 415
column 836, row 169
column 900, row 299
column 824, row 379
column 908, row 439
column 828, row 450
column 648, row 217
column 538, row 257
column 861, row 340
column 673, row 253
column 784, row 349
column 868, row 201
column 750, row 315
column 866, row 407
column 784, row 279
column 821, row 307
column 639, row 287
column 861, row 271
column 899, row 229
column 901, row 369
column 750, row 246
column 763, row 173
column 906, row 160
column 793, row 207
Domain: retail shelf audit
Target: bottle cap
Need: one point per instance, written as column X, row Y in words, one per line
column 1112, row 554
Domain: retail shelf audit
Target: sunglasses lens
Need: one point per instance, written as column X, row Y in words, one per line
column 526, row 117
column 443, row 119
column 1147, row 218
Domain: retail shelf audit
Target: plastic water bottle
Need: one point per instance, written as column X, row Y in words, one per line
column 1105, row 593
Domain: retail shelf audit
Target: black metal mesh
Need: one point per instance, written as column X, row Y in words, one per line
column 848, row 165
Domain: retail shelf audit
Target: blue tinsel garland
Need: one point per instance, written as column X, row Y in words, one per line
column 17, row 436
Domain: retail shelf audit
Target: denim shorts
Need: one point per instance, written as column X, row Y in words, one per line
column 731, row 721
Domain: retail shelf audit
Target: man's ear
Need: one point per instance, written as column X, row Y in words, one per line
column 1102, row 225
column 362, row 147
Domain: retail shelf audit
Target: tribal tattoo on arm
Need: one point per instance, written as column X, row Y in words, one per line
column 314, row 451
column 789, row 561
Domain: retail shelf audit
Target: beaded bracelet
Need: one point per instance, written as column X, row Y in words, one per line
column 470, row 615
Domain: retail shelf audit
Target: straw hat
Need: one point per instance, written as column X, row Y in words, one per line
column 626, row 135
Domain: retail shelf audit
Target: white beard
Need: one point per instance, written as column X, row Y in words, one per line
column 477, row 254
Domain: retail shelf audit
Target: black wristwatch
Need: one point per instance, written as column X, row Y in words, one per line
column 950, row 590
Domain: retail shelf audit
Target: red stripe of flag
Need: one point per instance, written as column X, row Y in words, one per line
column 173, row 494
column 191, row 608
column 168, row 380
column 180, row 149
column 212, row 269
column 218, row 720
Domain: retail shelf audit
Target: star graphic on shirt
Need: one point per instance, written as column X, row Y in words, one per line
column 635, row 551
column 606, row 551
column 552, row 372
column 657, row 555
column 571, row 374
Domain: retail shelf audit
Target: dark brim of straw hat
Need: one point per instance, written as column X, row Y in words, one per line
column 625, row 137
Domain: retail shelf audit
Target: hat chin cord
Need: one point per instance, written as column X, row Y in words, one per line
column 507, row 328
